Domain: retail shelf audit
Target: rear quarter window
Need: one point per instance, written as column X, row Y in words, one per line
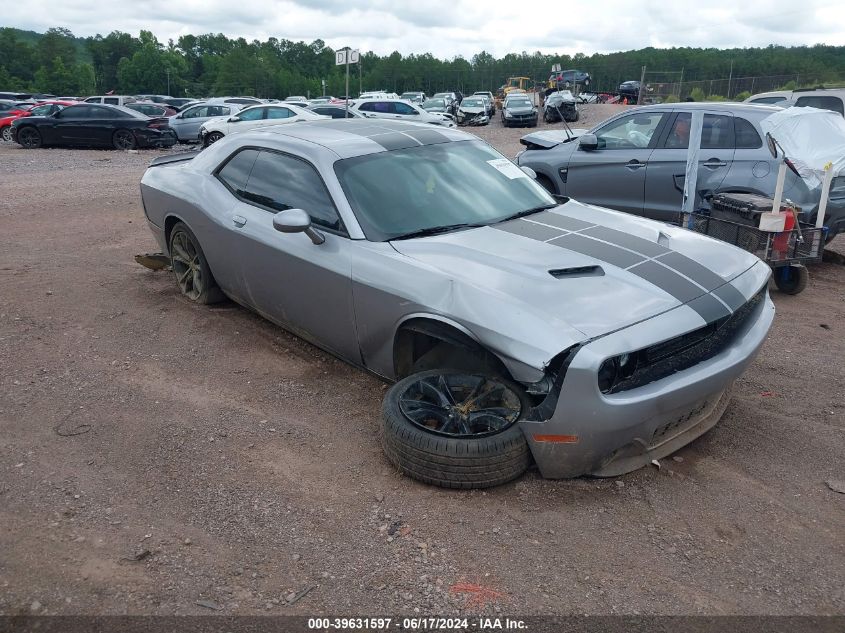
column 746, row 134
column 821, row 102
column 235, row 171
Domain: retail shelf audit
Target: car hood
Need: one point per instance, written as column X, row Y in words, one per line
column 604, row 271
column 547, row 139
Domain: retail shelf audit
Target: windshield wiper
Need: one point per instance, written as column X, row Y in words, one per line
column 522, row 214
column 435, row 230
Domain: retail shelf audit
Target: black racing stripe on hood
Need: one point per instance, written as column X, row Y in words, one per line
column 709, row 308
column 731, row 296
column 560, row 221
column 638, row 244
column 529, row 229
column 599, row 250
column 692, row 269
column 667, row 280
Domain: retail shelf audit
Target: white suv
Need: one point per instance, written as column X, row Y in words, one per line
column 253, row 117
column 401, row 110
column 822, row 98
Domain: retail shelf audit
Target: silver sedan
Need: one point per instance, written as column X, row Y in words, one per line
column 518, row 325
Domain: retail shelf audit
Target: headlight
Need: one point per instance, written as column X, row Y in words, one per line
column 616, row 368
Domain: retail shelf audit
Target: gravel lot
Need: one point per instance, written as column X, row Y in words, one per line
column 158, row 457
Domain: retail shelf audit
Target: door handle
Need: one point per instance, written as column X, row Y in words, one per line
column 713, row 163
column 634, row 164
column 238, row 220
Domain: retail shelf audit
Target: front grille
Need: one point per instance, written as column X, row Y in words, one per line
column 682, row 352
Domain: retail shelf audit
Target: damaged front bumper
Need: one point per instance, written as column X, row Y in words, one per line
column 609, row 434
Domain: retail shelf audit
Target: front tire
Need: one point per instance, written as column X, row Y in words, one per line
column 6, row 133
column 193, row 275
column 486, row 450
column 124, row 139
column 29, row 138
column 212, row 138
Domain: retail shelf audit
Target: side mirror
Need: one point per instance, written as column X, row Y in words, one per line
column 296, row 221
column 588, row 142
column 234, row 118
column 529, row 172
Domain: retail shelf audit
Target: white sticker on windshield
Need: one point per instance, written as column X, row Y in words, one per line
column 507, row 168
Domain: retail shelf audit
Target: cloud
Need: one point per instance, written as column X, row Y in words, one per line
column 447, row 28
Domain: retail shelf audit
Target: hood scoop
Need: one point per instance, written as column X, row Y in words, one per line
column 577, row 271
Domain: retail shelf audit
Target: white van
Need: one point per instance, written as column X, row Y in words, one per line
column 117, row 100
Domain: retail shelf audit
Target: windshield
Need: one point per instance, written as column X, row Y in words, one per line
column 434, row 103
column 472, row 103
column 465, row 182
column 519, row 103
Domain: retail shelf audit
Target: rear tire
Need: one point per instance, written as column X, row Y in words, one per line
column 124, row 139
column 791, row 280
column 193, row 275
column 6, row 133
column 29, row 138
column 463, row 462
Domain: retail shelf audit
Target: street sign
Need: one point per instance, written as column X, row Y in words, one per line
column 340, row 57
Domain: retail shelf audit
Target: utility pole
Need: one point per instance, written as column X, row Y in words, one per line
column 642, row 87
column 168, row 82
column 730, row 79
column 360, row 71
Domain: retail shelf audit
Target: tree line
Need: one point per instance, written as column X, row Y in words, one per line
column 57, row 62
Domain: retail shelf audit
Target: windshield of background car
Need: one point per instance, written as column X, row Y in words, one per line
column 434, row 103
column 464, row 182
column 472, row 103
column 520, row 103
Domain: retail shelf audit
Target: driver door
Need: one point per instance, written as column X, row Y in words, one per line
column 614, row 174
column 305, row 287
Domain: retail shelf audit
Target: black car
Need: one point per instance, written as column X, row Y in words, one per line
column 335, row 111
column 89, row 124
column 630, row 90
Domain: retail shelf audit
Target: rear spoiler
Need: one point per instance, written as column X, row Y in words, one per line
column 550, row 138
column 174, row 158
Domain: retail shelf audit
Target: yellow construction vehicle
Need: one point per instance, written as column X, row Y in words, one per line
column 516, row 83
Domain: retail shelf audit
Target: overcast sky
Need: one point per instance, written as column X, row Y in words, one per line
column 447, row 28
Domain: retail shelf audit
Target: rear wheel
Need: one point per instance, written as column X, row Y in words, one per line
column 29, row 138
column 193, row 275
column 456, row 430
column 124, row 139
column 6, row 133
column 791, row 279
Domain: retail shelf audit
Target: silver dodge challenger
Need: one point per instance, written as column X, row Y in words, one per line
column 517, row 326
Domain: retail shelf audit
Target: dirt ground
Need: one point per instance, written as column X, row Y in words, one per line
column 158, row 457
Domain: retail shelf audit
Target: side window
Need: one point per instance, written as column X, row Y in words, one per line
column 381, row 106
column 235, row 171
column 101, row 113
column 77, row 112
column 219, row 111
column 255, row 114
column 768, row 100
column 821, row 102
column 111, row 100
column 41, row 110
column 717, row 132
column 92, row 100
column 367, row 107
column 279, row 113
column 746, row 135
column 403, row 108
column 281, row 182
column 195, row 113
column 633, row 131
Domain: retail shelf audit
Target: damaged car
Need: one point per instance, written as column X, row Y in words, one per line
column 519, row 110
column 560, row 106
column 516, row 326
column 474, row 111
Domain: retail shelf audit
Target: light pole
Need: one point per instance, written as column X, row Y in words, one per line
column 168, row 82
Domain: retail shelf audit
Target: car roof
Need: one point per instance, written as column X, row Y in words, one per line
column 348, row 138
column 731, row 106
